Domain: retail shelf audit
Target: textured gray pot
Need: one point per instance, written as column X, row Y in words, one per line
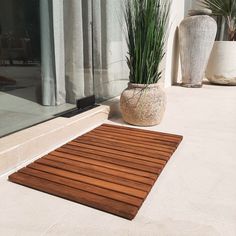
column 143, row 105
column 196, row 36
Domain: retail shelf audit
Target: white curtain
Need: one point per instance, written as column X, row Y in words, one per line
column 86, row 49
column 110, row 70
column 47, row 54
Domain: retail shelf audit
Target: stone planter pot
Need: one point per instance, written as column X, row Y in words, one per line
column 143, row 105
column 221, row 67
column 196, row 36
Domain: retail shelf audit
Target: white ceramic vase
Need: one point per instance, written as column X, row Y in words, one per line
column 221, row 68
column 196, row 36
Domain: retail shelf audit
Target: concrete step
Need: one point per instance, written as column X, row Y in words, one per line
column 27, row 145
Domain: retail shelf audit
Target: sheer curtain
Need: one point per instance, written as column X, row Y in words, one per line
column 110, row 70
column 83, row 50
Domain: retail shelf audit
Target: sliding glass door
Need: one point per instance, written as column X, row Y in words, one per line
column 20, row 58
column 53, row 52
column 22, row 79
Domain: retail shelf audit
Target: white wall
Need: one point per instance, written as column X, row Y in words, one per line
column 179, row 9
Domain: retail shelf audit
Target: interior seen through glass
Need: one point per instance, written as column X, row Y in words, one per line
column 53, row 54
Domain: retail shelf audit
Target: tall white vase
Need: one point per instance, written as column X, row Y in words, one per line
column 221, row 67
column 196, row 36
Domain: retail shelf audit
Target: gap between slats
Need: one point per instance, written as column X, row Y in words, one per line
column 108, row 134
column 123, row 151
column 93, row 160
column 93, row 136
column 135, row 164
column 124, row 146
column 95, row 174
column 93, row 181
column 101, row 169
column 141, row 132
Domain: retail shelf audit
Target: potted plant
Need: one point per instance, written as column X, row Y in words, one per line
column 143, row 102
column 221, row 67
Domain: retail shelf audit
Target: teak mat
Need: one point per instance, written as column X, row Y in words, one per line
column 111, row 168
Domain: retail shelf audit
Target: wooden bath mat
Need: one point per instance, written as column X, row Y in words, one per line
column 111, row 168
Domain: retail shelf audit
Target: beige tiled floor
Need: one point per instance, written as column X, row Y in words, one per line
column 195, row 194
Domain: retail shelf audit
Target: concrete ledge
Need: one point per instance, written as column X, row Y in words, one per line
column 38, row 140
column 114, row 104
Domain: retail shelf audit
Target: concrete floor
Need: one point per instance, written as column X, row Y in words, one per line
column 195, row 194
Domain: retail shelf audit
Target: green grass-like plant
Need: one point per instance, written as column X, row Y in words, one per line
column 226, row 9
column 146, row 22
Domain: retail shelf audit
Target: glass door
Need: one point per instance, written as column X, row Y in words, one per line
column 21, row 79
column 54, row 52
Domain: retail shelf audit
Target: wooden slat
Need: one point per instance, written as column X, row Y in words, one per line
column 111, row 158
column 92, row 160
column 126, row 151
column 141, row 133
column 94, row 174
column 126, row 140
column 119, row 152
column 111, row 168
column 83, row 186
column 89, row 167
column 115, row 207
column 93, row 181
column 143, row 140
column 121, row 145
